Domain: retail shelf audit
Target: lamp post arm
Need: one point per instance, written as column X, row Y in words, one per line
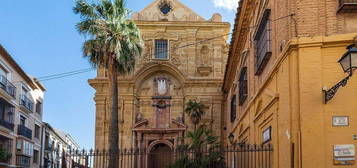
column 329, row 94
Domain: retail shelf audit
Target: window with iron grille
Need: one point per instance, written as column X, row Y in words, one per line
column 243, row 86
column 233, row 108
column 263, row 43
column 161, row 49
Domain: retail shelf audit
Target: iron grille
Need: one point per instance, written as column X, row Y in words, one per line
column 238, row 156
column 161, row 49
column 24, row 131
column 7, row 86
column 243, row 86
column 263, row 43
column 26, row 102
column 233, row 108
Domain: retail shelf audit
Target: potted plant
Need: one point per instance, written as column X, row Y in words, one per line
column 4, row 155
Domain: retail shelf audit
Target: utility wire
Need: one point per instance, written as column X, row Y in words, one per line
column 65, row 73
column 80, row 71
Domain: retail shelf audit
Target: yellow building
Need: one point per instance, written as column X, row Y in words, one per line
column 283, row 54
column 178, row 64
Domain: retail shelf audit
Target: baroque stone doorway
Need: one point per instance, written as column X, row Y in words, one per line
column 160, row 156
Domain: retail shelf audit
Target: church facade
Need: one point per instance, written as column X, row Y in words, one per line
column 184, row 58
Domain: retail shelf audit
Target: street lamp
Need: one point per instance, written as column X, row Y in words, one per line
column 348, row 63
column 231, row 138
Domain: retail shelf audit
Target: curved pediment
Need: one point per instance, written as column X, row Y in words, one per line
column 167, row 10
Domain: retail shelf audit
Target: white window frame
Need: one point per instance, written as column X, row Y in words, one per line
column 7, row 69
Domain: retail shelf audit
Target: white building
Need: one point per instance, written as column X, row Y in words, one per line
column 55, row 143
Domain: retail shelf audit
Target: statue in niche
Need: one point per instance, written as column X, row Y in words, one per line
column 204, row 56
column 138, row 117
column 161, row 86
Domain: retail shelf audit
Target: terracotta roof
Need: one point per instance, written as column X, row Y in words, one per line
column 233, row 42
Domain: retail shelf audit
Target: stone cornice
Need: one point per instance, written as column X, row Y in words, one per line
column 183, row 24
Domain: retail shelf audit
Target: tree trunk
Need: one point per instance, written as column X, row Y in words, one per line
column 114, row 121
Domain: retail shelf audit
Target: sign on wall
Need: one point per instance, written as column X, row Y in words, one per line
column 344, row 154
column 267, row 135
column 340, row 121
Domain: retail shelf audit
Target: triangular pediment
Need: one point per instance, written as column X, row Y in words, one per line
column 167, row 10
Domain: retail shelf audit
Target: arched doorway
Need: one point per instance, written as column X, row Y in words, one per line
column 160, row 156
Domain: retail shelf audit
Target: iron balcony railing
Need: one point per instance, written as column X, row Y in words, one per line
column 6, row 124
column 26, row 102
column 7, row 86
column 24, row 131
column 23, row 161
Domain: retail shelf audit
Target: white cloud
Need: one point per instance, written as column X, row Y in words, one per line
column 226, row 4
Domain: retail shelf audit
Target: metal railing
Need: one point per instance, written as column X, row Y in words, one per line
column 7, row 124
column 23, row 161
column 7, row 86
column 24, row 131
column 244, row 156
column 26, row 102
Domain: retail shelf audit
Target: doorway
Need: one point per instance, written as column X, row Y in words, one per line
column 160, row 156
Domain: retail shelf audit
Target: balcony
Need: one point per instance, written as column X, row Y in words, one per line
column 23, row 161
column 347, row 6
column 7, row 86
column 7, row 124
column 5, row 151
column 6, row 114
column 26, row 102
column 24, row 131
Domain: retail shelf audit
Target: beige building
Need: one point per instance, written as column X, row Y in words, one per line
column 21, row 99
column 282, row 63
column 178, row 64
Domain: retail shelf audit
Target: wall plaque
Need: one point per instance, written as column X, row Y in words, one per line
column 267, row 135
column 344, row 154
column 340, row 121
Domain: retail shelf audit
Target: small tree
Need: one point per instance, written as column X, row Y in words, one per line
column 4, row 155
column 195, row 111
column 205, row 148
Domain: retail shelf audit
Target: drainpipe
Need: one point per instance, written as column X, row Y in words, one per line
column 42, row 148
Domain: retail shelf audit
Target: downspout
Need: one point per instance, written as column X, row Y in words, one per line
column 42, row 148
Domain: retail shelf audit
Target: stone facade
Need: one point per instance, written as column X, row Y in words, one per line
column 284, row 93
column 152, row 98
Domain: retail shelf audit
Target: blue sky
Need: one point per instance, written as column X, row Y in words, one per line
column 40, row 35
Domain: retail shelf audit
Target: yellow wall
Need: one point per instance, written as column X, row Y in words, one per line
column 290, row 100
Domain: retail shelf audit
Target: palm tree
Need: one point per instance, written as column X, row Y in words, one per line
column 113, row 42
column 195, row 110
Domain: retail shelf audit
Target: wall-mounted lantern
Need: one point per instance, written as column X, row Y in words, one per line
column 231, row 139
column 348, row 63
